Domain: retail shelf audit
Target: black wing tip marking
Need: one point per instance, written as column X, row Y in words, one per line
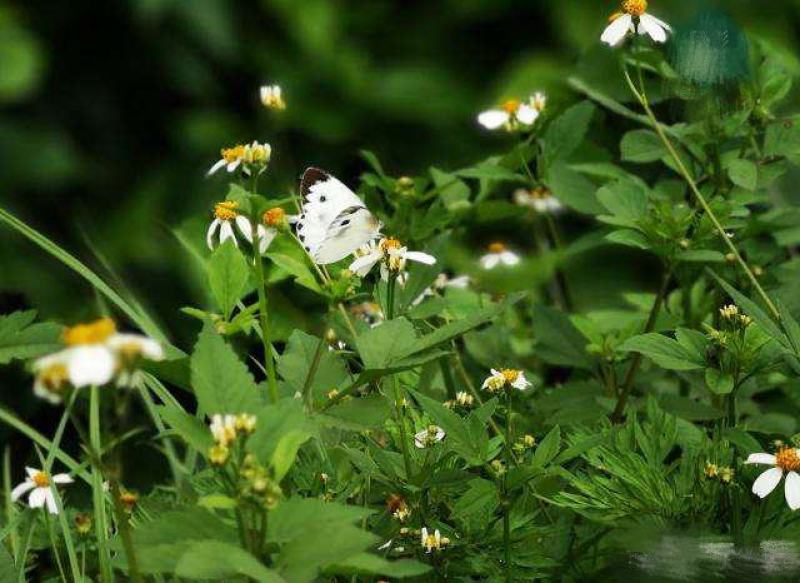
column 312, row 176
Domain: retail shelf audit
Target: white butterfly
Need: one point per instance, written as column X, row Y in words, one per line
column 334, row 222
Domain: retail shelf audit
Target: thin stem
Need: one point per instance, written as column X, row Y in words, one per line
column 642, row 98
column 125, row 531
column 308, row 397
column 269, row 362
column 627, row 384
column 506, row 498
column 98, row 497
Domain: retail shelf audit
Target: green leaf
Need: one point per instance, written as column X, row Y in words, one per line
column 458, row 436
column 228, row 273
column 642, row 146
column 557, row 340
column 573, row 188
column 664, row 351
column 221, row 382
column 280, row 431
column 191, row 429
column 20, row 338
column 547, row 449
column 567, row 132
column 625, row 199
column 388, row 342
column 369, row 564
column 718, row 382
column 476, row 506
column 219, row 560
column 743, row 173
column 629, row 238
column 295, row 365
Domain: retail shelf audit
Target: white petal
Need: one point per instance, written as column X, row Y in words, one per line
column 42, row 392
column 234, row 165
column 362, row 265
column 62, row 479
column 420, row 257
column 761, row 458
column 616, row 32
column 265, row 238
column 509, row 258
column 226, row 232
column 651, row 26
column 216, row 167
column 17, row 492
column 493, row 119
column 527, row 114
column 91, row 365
column 521, row 383
column 767, row 481
column 791, row 489
column 50, row 499
column 245, row 226
column 212, row 229
column 37, row 497
column 490, row 261
column 148, row 347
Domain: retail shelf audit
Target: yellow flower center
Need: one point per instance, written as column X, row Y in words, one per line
column 635, row 7
column 54, row 377
column 787, row 459
column 226, row 210
column 497, row 248
column 41, row 480
column 390, row 243
column 511, row 106
column 510, row 375
column 233, row 154
column 540, row 193
column 274, row 217
column 92, row 333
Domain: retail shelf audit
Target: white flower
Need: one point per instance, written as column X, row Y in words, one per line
column 539, row 199
column 225, row 216
column 271, row 97
column 442, row 282
column 787, row 459
column 514, row 114
column 246, row 156
column 633, row 19
column 392, row 256
column 95, row 353
column 498, row 254
column 430, row 436
column 499, row 379
column 433, row 542
column 39, row 484
column 223, row 428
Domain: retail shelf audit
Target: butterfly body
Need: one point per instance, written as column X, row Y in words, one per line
column 334, row 222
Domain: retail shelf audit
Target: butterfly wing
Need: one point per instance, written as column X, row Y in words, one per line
column 334, row 222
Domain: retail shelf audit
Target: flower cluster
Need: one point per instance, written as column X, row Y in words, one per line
column 513, row 115
column 432, row 435
column 498, row 254
column 433, row 541
column 94, row 354
column 272, row 97
column 248, row 157
column 539, row 199
column 392, row 256
column 225, row 429
column 503, row 378
column 715, row 472
column 463, row 399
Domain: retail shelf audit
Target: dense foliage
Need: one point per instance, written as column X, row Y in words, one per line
column 478, row 406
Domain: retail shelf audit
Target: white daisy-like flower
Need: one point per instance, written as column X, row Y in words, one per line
column 40, row 486
column 392, row 256
column 273, row 220
column 272, row 97
column 223, row 428
column 787, row 459
column 433, row 541
column 95, row 354
column 539, row 199
column 634, row 19
column 514, row 114
column 506, row 377
column 247, row 156
column 498, row 254
column 226, row 214
column 428, row 437
column 442, row 282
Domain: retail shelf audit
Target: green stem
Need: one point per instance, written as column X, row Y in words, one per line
column 398, row 399
column 683, row 170
column 627, row 384
column 98, row 496
column 308, row 397
column 390, row 288
column 269, row 362
column 506, row 498
column 125, row 532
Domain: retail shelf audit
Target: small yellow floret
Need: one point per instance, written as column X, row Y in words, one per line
column 95, row 332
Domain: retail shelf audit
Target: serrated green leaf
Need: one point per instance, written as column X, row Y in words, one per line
column 228, row 273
